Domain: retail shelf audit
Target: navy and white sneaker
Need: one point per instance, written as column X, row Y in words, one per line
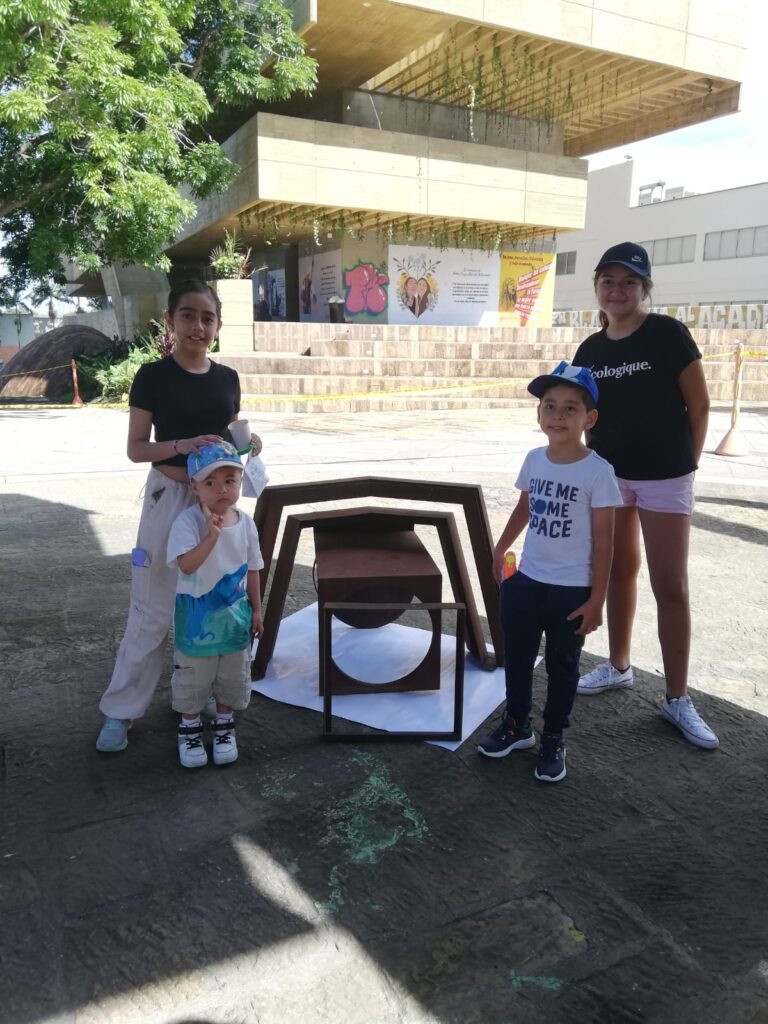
column 224, row 741
column 192, row 753
column 551, row 766
column 506, row 737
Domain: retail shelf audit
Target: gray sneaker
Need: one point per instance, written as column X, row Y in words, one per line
column 681, row 712
column 208, row 714
column 605, row 677
column 114, row 735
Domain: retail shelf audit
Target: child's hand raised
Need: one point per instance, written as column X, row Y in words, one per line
column 212, row 521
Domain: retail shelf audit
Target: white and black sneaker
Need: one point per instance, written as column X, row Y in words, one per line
column 605, row 677
column 224, row 742
column 191, row 750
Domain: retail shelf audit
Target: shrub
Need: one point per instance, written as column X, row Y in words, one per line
column 108, row 375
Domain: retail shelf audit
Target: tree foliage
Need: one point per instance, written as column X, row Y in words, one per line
column 105, row 110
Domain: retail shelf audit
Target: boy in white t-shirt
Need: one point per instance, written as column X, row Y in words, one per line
column 567, row 500
column 218, row 604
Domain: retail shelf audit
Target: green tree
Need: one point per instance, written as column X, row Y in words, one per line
column 108, row 106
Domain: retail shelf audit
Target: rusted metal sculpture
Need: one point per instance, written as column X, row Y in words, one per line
column 375, row 556
column 333, row 608
column 273, row 500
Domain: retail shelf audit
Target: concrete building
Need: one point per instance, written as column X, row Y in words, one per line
column 709, row 252
column 452, row 124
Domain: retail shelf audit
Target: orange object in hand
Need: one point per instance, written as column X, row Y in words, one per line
column 510, row 566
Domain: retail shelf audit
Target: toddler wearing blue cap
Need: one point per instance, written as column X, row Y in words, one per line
column 567, row 500
column 215, row 547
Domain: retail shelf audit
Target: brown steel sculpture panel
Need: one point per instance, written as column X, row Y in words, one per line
column 273, row 500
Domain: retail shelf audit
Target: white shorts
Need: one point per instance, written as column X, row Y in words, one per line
column 674, row 495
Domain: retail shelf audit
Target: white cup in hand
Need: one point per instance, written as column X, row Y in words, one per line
column 240, row 432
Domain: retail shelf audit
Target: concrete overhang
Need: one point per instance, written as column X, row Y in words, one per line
column 296, row 172
column 609, row 71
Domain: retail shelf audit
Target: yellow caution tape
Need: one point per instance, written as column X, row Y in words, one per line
column 730, row 354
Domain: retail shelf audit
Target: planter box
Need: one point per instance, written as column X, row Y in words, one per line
column 236, row 334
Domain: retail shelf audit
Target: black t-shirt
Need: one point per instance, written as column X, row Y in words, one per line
column 642, row 426
column 185, row 404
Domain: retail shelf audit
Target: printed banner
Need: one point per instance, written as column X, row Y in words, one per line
column 526, row 289
column 365, row 290
column 319, row 279
column 442, row 286
column 276, row 294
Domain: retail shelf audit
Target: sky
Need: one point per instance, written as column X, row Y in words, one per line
column 724, row 153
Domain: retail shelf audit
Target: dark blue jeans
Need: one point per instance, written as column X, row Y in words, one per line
column 528, row 610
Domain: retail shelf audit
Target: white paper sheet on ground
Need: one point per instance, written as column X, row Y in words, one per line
column 377, row 655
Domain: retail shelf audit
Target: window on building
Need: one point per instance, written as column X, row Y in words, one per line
column 726, row 245
column 680, row 249
column 566, row 263
column 761, row 241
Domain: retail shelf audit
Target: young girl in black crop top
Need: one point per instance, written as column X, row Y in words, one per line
column 176, row 405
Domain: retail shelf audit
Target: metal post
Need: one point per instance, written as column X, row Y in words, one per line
column 77, row 400
column 733, row 443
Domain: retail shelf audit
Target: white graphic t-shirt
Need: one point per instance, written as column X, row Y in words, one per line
column 213, row 613
column 558, row 544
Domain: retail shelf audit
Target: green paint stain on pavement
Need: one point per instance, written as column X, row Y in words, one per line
column 277, row 784
column 369, row 823
column 540, row 980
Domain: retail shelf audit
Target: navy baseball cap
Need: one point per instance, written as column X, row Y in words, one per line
column 565, row 373
column 628, row 254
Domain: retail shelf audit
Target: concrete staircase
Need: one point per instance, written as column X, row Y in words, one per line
column 356, row 367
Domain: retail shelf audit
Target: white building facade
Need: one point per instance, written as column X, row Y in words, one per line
column 709, row 252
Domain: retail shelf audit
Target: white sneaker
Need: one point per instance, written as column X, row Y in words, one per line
column 681, row 712
column 224, row 742
column 605, row 677
column 191, row 750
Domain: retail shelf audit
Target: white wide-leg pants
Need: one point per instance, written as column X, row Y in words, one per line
column 153, row 595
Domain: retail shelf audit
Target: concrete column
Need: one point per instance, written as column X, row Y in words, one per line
column 138, row 296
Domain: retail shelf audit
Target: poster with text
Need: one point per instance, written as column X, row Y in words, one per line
column 319, row 279
column 526, row 289
column 442, row 286
column 276, row 294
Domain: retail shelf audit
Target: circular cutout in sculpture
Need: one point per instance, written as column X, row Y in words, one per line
column 383, row 654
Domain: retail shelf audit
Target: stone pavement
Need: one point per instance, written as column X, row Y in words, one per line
column 316, row 883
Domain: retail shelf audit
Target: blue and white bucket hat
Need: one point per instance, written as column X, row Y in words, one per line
column 565, row 373
column 201, row 464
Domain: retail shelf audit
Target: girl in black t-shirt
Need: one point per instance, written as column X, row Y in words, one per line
column 181, row 402
column 653, row 409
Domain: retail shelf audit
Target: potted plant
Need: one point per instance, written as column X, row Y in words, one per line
column 231, row 266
